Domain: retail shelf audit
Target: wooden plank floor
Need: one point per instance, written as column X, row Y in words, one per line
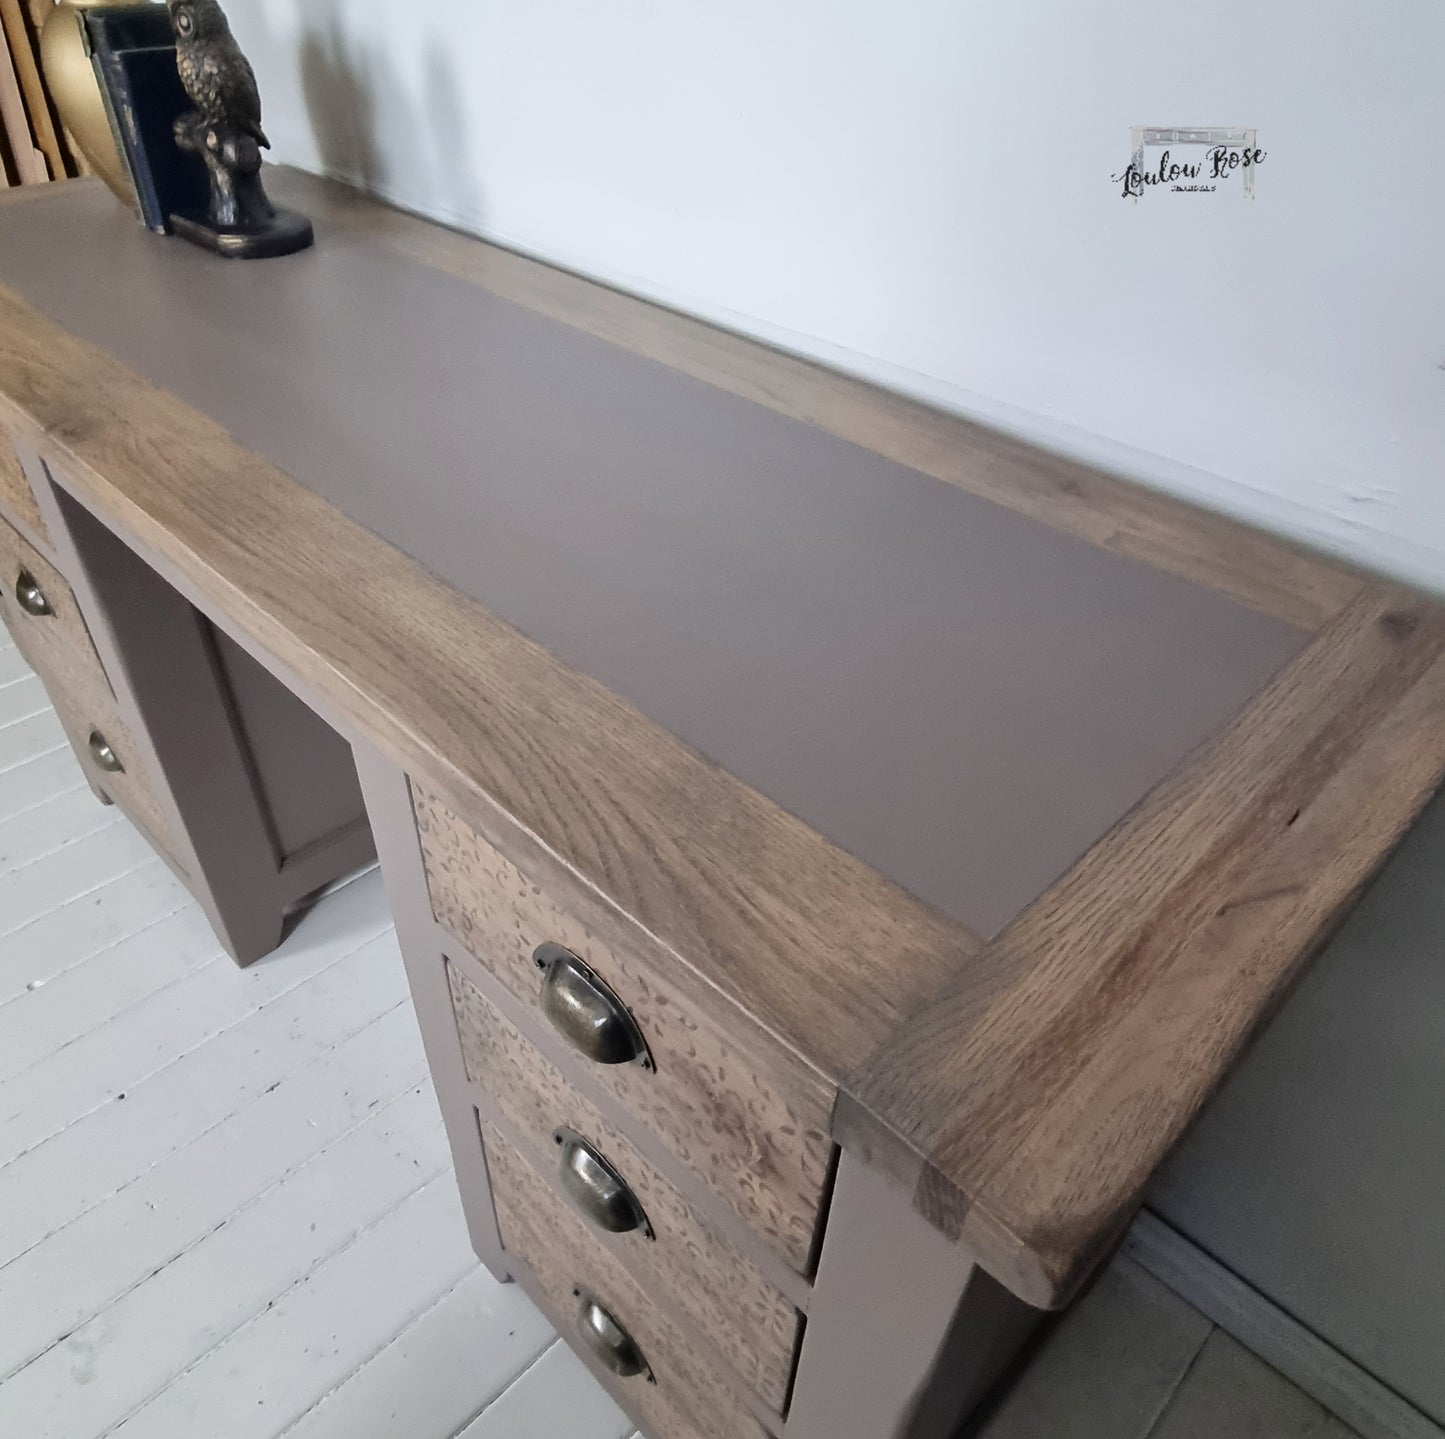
column 226, row 1207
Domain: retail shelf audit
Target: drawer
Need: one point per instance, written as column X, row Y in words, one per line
column 55, row 640
column 16, row 496
column 92, row 723
column 686, row 1398
column 735, row 1106
column 683, row 1259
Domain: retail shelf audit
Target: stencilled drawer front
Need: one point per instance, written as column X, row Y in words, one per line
column 41, row 612
column 680, row 1394
column 16, row 496
column 737, row 1108
column 107, row 750
column 632, row 1209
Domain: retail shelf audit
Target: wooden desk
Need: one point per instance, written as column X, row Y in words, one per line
column 926, row 821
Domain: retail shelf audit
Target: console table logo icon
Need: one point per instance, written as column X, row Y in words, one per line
column 1185, row 160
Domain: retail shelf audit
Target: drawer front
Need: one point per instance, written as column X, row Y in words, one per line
column 56, row 641
column 748, row 1117
column 687, row 1398
column 16, row 496
column 90, row 721
column 684, row 1261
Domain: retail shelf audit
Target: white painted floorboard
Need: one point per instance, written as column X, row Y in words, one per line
column 227, row 1209
column 12, row 666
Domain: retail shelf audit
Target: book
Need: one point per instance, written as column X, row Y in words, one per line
column 134, row 53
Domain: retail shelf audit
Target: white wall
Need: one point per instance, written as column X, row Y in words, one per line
column 919, row 190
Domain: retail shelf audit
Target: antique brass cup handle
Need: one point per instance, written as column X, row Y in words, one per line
column 597, row 1189
column 30, row 597
column 103, row 755
column 585, row 1011
column 607, row 1339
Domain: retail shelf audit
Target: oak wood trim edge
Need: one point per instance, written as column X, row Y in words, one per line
column 999, row 1135
column 743, row 893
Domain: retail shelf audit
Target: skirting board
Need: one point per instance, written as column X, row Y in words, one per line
column 1327, row 1375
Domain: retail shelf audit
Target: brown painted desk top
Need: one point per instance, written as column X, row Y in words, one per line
column 1007, row 795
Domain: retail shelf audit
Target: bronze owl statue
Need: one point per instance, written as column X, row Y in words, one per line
column 214, row 71
column 224, row 132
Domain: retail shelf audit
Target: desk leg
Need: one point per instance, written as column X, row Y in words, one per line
column 388, row 806
column 260, row 803
column 163, row 671
column 905, row 1334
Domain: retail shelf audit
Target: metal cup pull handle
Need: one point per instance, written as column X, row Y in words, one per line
column 585, row 1011
column 595, row 1187
column 30, row 597
column 103, row 755
column 608, row 1341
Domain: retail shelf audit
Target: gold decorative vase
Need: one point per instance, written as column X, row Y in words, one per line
column 76, row 92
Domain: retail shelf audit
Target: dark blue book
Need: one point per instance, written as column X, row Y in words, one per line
column 133, row 50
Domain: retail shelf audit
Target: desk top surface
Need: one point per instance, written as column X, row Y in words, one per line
column 961, row 697
column 1007, row 795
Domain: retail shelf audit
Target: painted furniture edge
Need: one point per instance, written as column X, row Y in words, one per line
column 205, row 517
column 388, row 802
column 907, row 1332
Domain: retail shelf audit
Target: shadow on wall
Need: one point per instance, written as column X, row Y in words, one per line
column 370, row 132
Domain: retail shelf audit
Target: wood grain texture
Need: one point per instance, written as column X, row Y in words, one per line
column 1263, row 571
column 731, row 1103
column 23, row 48
column 959, row 697
column 649, row 1414
column 966, row 1061
column 1332, row 1118
column 738, row 889
column 131, row 788
column 1029, row 1102
column 557, row 1248
column 29, row 163
column 16, row 495
column 687, row 1264
column 58, row 644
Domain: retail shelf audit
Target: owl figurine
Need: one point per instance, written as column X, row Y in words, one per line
column 224, row 132
column 215, row 73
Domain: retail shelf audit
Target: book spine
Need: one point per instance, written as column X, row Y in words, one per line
column 120, row 110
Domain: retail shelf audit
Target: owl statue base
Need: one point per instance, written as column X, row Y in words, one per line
column 241, row 223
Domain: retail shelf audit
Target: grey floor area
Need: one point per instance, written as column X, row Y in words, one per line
column 1134, row 1361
